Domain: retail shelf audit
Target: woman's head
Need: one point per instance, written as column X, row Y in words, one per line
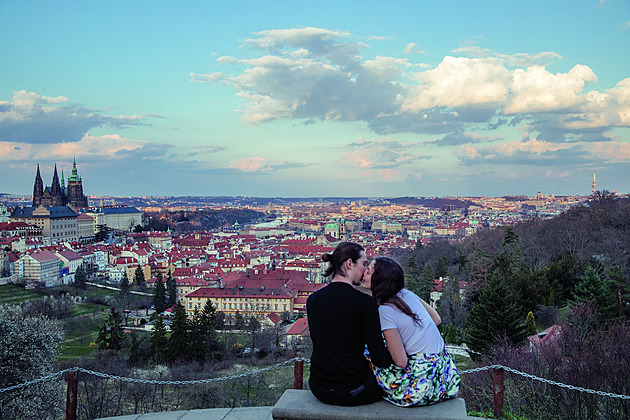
column 386, row 278
column 347, row 260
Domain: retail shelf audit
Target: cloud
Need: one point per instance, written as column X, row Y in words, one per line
column 383, row 153
column 458, row 138
column 312, row 74
column 541, row 153
column 263, row 165
column 412, row 48
column 31, row 118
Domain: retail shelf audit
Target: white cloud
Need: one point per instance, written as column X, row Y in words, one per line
column 537, row 90
column 32, row 118
column 459, row 82
column 412, row 48
column 383, row 153
column 262, row 165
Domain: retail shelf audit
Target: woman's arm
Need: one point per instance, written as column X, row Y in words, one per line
column 395, row 347
column 432, row 312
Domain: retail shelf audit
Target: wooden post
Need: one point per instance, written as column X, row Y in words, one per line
column 498, row 388
column 71, row 399
column 298, row 374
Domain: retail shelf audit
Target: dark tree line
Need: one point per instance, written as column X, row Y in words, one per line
column 538, row 266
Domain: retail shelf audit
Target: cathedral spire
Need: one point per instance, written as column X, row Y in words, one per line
column 56, row 190
column 38, row 189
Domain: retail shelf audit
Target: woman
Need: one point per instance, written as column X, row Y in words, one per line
column 423, row 372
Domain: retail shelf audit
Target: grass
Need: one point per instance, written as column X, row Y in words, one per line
column 11, row 294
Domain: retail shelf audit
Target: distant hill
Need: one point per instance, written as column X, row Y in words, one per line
column 438, row 202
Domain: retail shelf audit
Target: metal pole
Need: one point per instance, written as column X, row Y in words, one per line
column 71, row 399
column 298, row 374
column 498, row 388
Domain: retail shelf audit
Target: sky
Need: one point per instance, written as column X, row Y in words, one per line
column 319, row 98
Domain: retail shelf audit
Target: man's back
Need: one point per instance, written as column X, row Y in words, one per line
column 342, row 321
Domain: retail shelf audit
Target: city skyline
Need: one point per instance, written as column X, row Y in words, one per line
column 316, row 99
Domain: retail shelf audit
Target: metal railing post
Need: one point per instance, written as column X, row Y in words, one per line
column 498, row 388
column 298, row 374
column 71, row 399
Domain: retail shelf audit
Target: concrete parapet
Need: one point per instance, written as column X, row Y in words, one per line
column 299, row 404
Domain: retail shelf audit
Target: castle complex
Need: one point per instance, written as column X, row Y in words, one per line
column 60, row 194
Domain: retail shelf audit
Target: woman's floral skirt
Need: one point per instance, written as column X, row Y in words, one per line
column 427, row 379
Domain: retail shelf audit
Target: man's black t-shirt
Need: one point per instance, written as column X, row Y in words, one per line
column 342, row 320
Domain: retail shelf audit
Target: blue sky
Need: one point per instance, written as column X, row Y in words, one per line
column 327, row 98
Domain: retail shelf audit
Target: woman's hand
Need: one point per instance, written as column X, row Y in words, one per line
column 395, row 347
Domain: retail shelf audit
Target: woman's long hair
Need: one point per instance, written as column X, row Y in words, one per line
column 388, row 279
column 341, row 254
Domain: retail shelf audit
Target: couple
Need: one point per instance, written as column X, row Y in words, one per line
column 414, row 368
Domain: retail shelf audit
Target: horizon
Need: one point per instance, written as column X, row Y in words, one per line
column 260, row 99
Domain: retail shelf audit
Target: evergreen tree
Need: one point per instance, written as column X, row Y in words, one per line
column 138, row 278
column 124, row 290
column 494, row 316
column 530, row 324
column 412, row 275
column 441, row 270
column 253, row 326
column 239, row 321
column 111, row 334
column 159, row 295
column 203, row 335
column 621, row 291
column 158, row 341
column 80, row 278
column 596, row 291
column 178, row 342
column 171, row 290
column 425, row 282
column 136, row 354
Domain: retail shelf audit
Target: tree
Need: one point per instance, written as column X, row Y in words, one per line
column 596, row 291
column 159, row 295
column 102, row 232
column 80, row 278
column 441, row 269
column 124, row 290
column 158, row 342
column 138, row 278
column 493, row 317
column 530, row 324
column 425, row 282
column 239, row 321
column 621, row 290
column 253, row 326
column 138, row 229
column 137, row 354
column 111, row 334
column 203, row 336
column 29, row 347
column 171, row 290
column 178, row 342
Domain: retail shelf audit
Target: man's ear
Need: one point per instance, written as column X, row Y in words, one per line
column 348, row 264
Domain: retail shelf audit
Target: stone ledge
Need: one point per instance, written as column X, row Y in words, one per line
column 300, row 404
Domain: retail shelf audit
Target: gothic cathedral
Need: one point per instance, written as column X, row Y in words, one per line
column 59, row 194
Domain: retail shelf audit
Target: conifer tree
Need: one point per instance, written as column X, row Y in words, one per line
column 425, row 282
column 530, row 324
column 138, row 278
column 159, row 295
column 171, row 290
column 80, row 278
column 621, row 291
column 441, row 270
column 111, row 334
column 158, row 341
column 494, row 316
column 178, row 342
column 239, row 321
column 124, row 290
column 596, row 291
column 136, row 354
column 412, row 275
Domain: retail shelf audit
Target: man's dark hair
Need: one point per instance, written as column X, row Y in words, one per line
column 341, row 254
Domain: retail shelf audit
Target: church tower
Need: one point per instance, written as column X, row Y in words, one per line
column 38, row 189
column 594, row 184
column 74, row 189
column 57, row 198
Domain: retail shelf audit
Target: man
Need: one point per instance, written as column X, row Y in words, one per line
column 342, row 321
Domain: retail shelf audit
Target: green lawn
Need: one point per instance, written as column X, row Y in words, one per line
column 11, row 294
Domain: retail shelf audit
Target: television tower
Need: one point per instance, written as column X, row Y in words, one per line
column 594, row 185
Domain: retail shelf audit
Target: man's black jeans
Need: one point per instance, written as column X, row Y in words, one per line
column 366, row 393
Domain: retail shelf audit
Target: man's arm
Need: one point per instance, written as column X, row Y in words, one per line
column 374, row 338
column 432, row 312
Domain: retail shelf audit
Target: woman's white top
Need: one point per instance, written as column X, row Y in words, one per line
column 417, row 337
